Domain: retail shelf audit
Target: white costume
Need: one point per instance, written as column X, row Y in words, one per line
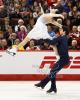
column 40, row 30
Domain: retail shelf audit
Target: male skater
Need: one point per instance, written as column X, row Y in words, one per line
column 62, row 46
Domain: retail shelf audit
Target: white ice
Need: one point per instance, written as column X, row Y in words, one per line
column 25, row 90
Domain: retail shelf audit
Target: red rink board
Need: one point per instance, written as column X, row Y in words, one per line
column 34, row 77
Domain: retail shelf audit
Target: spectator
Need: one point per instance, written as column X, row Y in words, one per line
column 4, row 44
column 46, row 45
column 20, row 23
column 32, row 45
column 77, row 20
column 22, row 33
column 45, row 6
column 73, row 14
column 3, row 12
column 17, row 41
column 74, row 45
column 8, row 32
column 31, row 20
column 11, row 10
column 74, row 33
column 13, row 37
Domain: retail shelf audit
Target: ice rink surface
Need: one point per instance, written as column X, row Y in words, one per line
column 25, row 90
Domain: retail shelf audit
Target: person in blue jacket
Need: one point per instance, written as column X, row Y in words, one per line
column 61, row 43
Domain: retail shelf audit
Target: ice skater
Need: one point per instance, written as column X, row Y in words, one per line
column 62, row 46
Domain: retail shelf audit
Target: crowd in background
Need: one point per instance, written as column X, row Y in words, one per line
column 18, row 17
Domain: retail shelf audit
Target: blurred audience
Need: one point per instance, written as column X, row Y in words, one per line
column 18, row 17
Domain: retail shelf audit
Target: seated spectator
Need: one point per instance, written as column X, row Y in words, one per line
column 22, row 33
column 31, row 20
column 24, row 9
column 8, row 32
column 13, row 37
column 3, row 12
column 66, row 21
column 4, row 44
column 37, row 12
column 74, row 45
column 32, row 45
column 17, row 41
column 11, row 10
column 74, row 33
column 77, row 20
column 20, row 23
column 46, row 45
column 74, row 12
column 45, row 6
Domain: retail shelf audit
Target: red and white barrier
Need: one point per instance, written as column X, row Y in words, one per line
column 34, row 65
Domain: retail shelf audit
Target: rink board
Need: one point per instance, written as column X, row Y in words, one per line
column 34, row 65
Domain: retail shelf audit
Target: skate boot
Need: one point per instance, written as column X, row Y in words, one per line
column 52, row 90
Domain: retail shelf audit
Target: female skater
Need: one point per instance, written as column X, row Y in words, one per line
column 40, row 28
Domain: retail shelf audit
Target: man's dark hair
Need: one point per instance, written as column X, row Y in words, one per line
column 56, row 30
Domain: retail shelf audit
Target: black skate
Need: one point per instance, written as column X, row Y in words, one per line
column 52, row 90
column 39, row 85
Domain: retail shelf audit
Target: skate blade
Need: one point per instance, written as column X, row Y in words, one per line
column 10, row 53
column 39, row 88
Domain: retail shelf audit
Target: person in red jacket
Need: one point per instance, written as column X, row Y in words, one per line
column 50, row 2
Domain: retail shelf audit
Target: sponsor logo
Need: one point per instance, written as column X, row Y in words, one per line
column 51, row 60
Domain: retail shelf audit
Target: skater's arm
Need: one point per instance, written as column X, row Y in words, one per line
column 54, row 41
column 53, row 15
column 23, row 42
column 56, row 24
column 56, row 15
column 42, row 11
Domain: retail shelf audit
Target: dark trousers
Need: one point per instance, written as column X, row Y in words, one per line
column 52, row 75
